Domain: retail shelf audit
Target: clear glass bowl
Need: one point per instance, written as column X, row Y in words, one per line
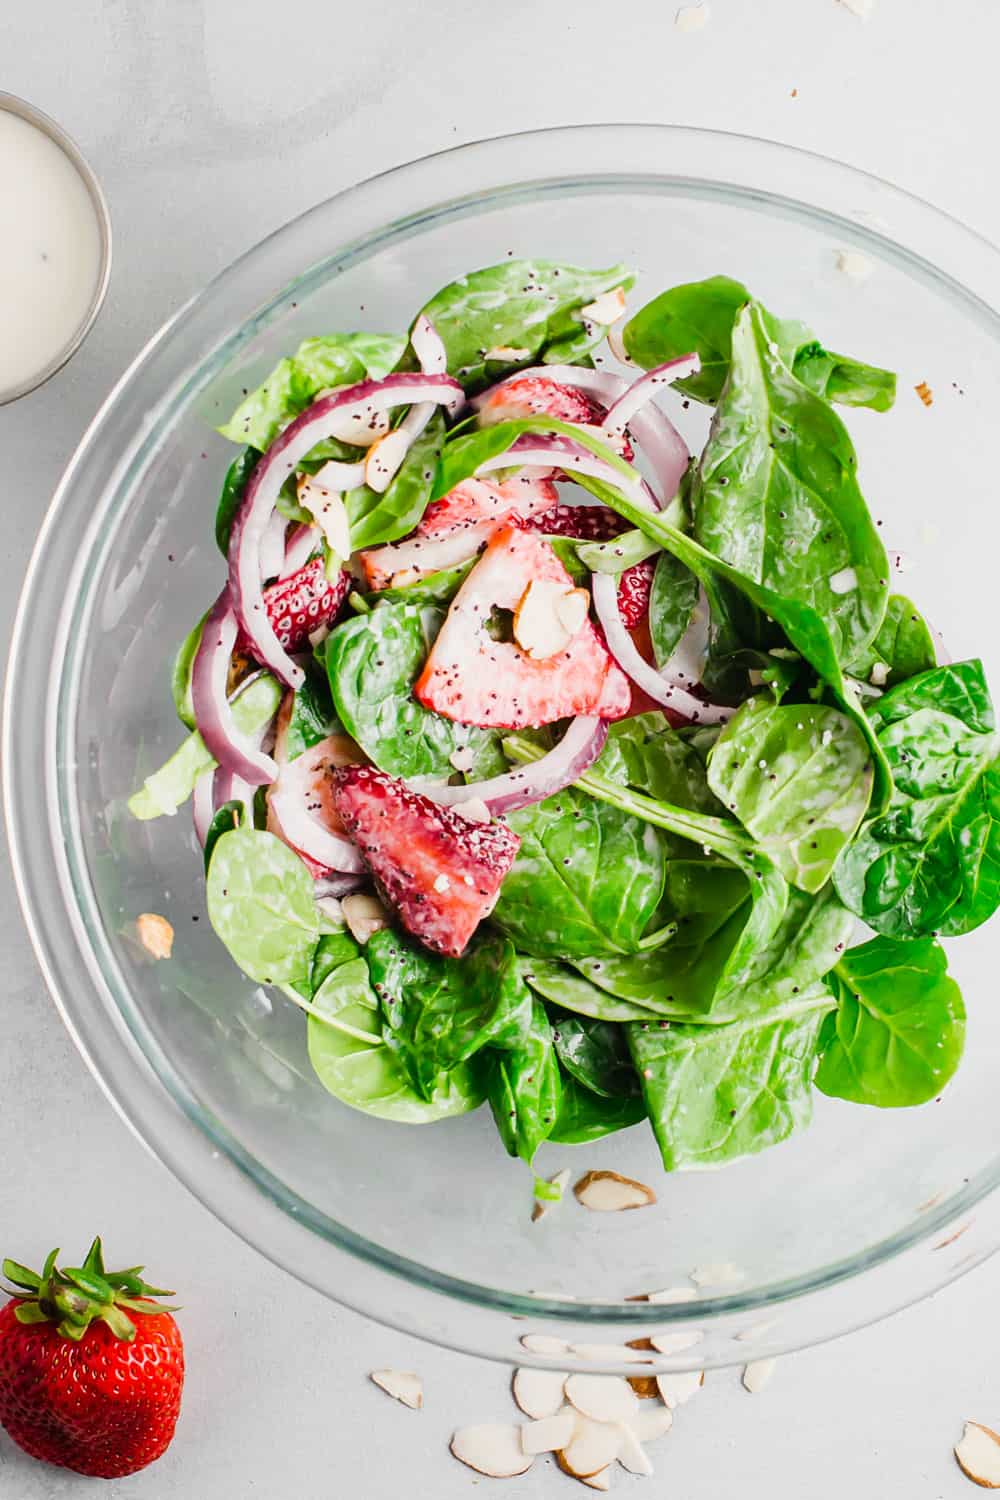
column 428, row 1229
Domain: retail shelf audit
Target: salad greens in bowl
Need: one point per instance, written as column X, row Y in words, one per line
column 585, row 738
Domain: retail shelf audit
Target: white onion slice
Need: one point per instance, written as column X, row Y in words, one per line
column 272, row 547
column 575, row 753
column 363, row 400
column 604, row 588
column 642, row 390
column 300, row 547
column 212, row 713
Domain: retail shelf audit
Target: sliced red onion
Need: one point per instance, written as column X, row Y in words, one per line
column 604, row 588
column 337, row 886
column 433, row 360
column 299, row 548
column 272, row 547
column 203, row 805
column 571, row 457
column 362, row 400
column 642, row 390
column 651, row 428
column 290, row 802
column 429, row 348
column 575, row 753
column 212, row 713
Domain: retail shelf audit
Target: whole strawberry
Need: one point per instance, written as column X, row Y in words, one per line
column 91, row 1370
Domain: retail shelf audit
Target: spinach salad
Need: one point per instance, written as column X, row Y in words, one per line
column 544, row 765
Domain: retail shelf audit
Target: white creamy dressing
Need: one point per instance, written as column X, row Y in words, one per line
column 50, row 251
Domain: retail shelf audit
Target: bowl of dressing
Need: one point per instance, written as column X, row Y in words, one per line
column 55, row 247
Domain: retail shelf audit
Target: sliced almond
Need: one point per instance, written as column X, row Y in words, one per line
column 364, row 915
column 492, row 1448
column 601, row 1481
column 603, row 1398
column 632, row 1455
column 717, row 1273
column 328, row 510
column 539, row 1393
column 757, row 1374
column 679, row 1386
column 978, row 1455
column 605, row 309
column 756, row 1330
column 675, row 1343
column 623, row 1354
column 595, row 1445
column 155, row 934
column 644, row 1386
column 463, row 759
column 855, row 265
column 507, row 353
column 384, row 459
column 691, row 17
column 572, row 610
column 559, row 1181
column 652, row 1422
column 549, row 1433
column 673, row 1294
column 404, row 578
column 474, row 810
column 538, row 629
column 544, row 1343
column 608, row 1192
column 402, row 1385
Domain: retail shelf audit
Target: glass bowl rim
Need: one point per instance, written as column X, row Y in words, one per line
column 195, row 1174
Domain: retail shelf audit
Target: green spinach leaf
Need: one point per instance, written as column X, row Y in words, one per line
column 903, row 648
column 376, row 518
column 897, row 1034
column 233, row 486
column 293, row 384
column 372, row 662
column 180, row 675
column 261, row 904
column 311, row 718
column 438, row 1012
column 715, row 1093
column 776, row 494
column 586, row 879
column 353, row 1063
column 699, row 316
column 227, row 817
column 596, row 1054
column 645, row 752
column 532, row 306
column 585, row 1116
column 525, row 1088
column 932, row 863
column 570, row 990
column 162, row 793
column 799, row 778
column 673, row 600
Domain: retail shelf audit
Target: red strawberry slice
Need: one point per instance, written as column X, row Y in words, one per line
column 456, row 527
column 586, row 523
column 439, row 872
column 473, row 678
column 633, row 593
column 298, row 605
column 532, row 395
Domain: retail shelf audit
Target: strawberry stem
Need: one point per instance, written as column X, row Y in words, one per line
column 77, row 1296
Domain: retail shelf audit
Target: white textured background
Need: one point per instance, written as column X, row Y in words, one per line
column 210, row 123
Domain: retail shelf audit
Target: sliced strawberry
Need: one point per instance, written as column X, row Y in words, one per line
column 533, row 395
column 633, row 593
column 456, row 527
column 298, row 605
column 440, row 873
column 586, row 523
column 473, row 678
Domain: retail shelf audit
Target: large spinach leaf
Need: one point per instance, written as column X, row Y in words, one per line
column 180, row 674
column 372, row 662
column 699, row 316
column 673, row 600
column 262, row 906
column 586, row 879
column 293, row 384
column 532, row 306
column 570, row 990
column 903, row 648
column 311, row 718
column 354, row 1064
column 715, row 1093
column 236, row 480
column 525, row 1088
column 644, row 752
column 799, row 778
column 776, row 494
column 596, row 1054
column 897, row 1034
column 376, row 518
column 438, row 1012
column 585, row 1116
column 932, row 863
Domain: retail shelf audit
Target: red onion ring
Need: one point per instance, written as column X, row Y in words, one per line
column 272, row 547
column 299, row 548
column 245, row 583
column 575, row 753
column 212, row 713
column 567, row 455
column 604, row 589
column 288, row 803
column 643, row 390
column 203, row 805
column 432, row 357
